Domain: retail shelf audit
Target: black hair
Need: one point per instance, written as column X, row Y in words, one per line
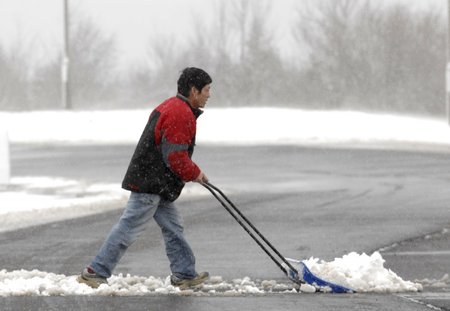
column 192, row 77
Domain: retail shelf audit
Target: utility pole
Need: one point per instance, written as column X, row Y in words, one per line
column 65, row 63
column 447, row 71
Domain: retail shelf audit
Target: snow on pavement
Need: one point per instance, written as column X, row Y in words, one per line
column 39, row 193
column 361, row 272
column 28, row 201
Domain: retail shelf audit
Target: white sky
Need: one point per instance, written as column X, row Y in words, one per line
column 38, row 24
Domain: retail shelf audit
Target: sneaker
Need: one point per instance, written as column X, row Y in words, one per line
column 89, row 277
column 186, row 283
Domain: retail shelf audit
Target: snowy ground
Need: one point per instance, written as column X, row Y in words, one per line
column 24, row 197
column 232, row 126
column 362, row 273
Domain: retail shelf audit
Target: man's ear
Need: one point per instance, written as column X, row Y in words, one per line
column 194, row 90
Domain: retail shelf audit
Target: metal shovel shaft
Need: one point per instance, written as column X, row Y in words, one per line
column 214, row 190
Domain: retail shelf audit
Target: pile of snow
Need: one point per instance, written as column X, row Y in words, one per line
column 228, row 125
column 360, row 272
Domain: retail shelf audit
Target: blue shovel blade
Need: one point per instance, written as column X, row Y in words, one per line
column 305, row 275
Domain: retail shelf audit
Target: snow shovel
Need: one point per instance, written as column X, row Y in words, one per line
column 301, row 274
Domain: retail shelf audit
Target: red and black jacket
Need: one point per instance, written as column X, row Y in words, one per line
column 161, row 163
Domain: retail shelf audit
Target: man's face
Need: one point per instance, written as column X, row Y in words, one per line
column 198, row 98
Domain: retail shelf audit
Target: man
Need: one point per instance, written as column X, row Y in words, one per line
column 159, row 168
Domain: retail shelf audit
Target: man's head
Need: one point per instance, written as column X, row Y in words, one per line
column 194, row 84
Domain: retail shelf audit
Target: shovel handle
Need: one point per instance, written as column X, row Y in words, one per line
column 216, row 192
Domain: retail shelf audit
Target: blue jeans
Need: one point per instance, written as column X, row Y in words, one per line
column 141, row 207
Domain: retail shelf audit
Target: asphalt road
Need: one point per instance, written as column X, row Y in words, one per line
column 308, row 201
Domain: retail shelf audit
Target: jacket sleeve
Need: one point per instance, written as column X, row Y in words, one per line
column 178, row 131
